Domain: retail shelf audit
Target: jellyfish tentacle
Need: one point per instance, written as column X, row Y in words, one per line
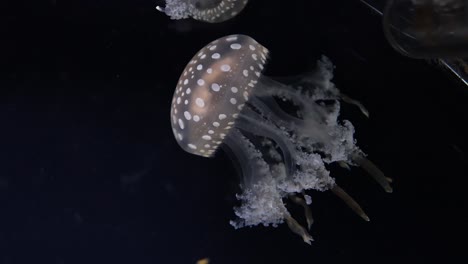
column 161, row 9
column 322, row 74
column 251, row 160
column 338, row 191
column 307, row 210
column 238, row 154
column 373, row 171
column 276, row 88
column 355, row 102
column 272, row 111
column 305, row 102
column 298, row 229
column 302, row 126
column 261, row 200
column 264, row 129
column 344, row 165
column 317, row 125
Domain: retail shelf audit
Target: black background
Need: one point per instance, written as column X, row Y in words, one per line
column 90, row 171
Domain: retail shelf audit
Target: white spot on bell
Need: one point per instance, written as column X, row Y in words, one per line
column 187, row 115
column 225, row 68
column 246, row 95
column 215, row 87
column 236, row 46
column 181, row 123
column 192, row 146
column 231, row 38
column 200, row 102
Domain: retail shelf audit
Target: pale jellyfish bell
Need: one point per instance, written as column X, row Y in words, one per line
column 222, row 100
column 212, row 11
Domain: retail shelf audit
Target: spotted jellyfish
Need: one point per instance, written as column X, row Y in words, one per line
column 223, row 101
column 212, row 11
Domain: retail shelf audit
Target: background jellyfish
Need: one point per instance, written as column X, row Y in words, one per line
column 212, row 11
column 223, row 100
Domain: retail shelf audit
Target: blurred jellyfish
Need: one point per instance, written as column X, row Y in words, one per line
column 212, row 11
column 426, row 29
column 222, row 100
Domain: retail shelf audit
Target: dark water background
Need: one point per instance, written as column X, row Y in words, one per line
column 90, row 171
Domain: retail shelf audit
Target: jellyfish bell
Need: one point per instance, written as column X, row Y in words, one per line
column 222, row 100
column 211, row 11
column 212, row 92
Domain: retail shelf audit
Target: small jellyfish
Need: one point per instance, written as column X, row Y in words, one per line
column 280, row 136
column 212, row 11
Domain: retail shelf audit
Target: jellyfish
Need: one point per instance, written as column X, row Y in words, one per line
column 212, row 11
column 280, row 136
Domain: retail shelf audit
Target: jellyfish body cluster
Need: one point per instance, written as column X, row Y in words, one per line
column 281, row 136
column 212, row 11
